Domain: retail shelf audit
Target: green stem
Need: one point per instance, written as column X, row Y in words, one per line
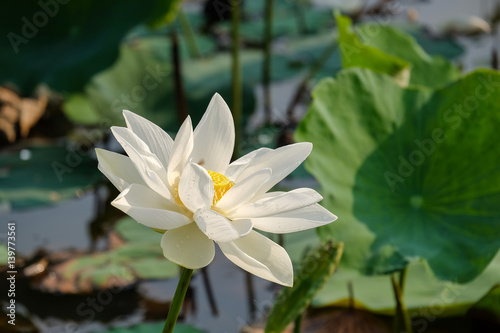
column 180, row 96
column 266, row 69
column 402, row 279
column 194, row 50
column 298, row 324
column 402, row 317
column 300, row 17
column 236, row 71
column 313, row 70
column 179, row 295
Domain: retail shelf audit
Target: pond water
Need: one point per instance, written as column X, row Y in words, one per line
column 65, row 226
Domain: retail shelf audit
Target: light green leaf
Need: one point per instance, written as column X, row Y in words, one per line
column 413, row 169
column 43, row 175
column 355, row 53
column 424, row 293
column 444, row 46
column 426, row 70
column 389, row 50
column 315, row 269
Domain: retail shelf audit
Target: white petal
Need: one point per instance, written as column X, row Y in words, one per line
column 158, row 141
column 196, row 188
column 183, row 146
column 237, row 167
column 243, row 226
column 260, row 256
column 243, row 191
column 149, row 166
column 215, row 226
column 188, row 246
column 281, row 161
column 214, row 137
column 275, row 204
column 295, row 220
column 149, row 208
column 118, row 168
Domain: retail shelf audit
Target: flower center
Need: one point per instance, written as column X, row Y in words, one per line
column 222, row 184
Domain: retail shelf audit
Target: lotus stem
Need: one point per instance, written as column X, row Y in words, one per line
column 402, row 317
column 266, row 69
column 236, row 71
column 313, row 70
column 298, row 324
column 402, row 279
column 179, row 295
column 194, row 50
column 300, row 16
column 180, row 95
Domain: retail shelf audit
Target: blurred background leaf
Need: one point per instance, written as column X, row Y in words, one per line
column 42, row 174
column 139, row 257
column 74, row 39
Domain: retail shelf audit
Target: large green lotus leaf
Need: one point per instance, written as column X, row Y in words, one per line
column 142, row 81
column 409, row 169
column 43, row 175
column 355, row 53
column 426, row 70
column 153, row 328
column 424, row 294
column 63, row 43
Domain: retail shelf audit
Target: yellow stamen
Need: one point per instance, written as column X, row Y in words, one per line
column 222, row 184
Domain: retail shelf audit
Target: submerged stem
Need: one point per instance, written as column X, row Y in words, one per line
column 179, row 295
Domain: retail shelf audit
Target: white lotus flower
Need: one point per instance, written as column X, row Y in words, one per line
column 188, row 189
